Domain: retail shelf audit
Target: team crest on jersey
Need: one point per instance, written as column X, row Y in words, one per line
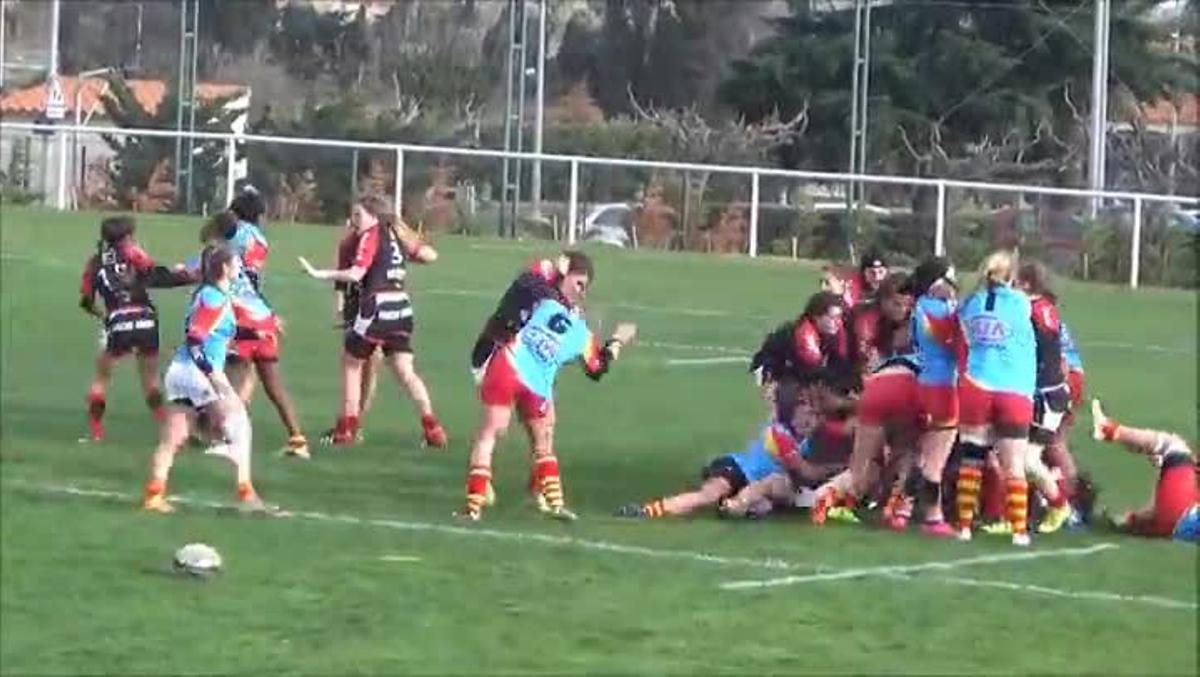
column 543, row 344
column 988, row 329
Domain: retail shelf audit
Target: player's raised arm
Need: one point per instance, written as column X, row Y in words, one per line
column 366, row 225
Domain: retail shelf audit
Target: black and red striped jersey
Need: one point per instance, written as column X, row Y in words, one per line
column 117, row 273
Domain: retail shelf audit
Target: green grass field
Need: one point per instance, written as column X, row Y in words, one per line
column 373, row 574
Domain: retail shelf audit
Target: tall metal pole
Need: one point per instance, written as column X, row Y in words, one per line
column 180, row 99
column 54, row 109
column 864, row 108
column 55, row 20
column 137, row 48
column 3, row 7
column 854, row 99
column 508, row 115
column 195, row 54
column 539, row 115
column 1173, row 131
column 522, row 58
column 1099, row 102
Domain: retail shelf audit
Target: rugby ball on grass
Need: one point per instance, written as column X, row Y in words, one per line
column 197, row 559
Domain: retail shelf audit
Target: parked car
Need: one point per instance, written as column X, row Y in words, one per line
column 609, row 223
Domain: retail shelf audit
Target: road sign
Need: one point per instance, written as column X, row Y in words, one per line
column 56, row 105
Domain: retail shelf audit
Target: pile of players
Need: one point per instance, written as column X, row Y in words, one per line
column 892, row 391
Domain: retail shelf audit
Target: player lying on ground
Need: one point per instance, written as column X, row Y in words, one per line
column 1174, row 510
column 521, row 375
column 195, row 382
column 256, row 347
column 786, row 489
column 346, row 296
column 120, row 272
column 385, row 316
column 761, row 470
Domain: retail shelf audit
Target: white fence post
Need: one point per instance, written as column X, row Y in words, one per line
column 573, row 203
column 60, row 190
column 230, row 165
column 939, row 235
column 754, row 214
column 1135, row 262
column 398, row 181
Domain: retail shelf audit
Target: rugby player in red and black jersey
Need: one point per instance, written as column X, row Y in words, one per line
column 1052, row 400
column 385, row 314
column 120, row 273
column 856, row 286
column 346, row 296
column 815, row 342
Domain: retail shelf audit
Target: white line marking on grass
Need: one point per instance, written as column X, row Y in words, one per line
column 442, row 291
column 688, row 361
column 689, row 346
column 399, row 558
column 516, row 536
column 500, row 247
column 618, row 548
column 693, row 312
column 1136, row 346
column 1151, row 600
column 915, row 568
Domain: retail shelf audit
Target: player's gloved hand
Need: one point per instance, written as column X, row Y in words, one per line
column 625, row 334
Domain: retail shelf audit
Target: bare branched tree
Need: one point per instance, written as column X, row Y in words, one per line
column 692, row 138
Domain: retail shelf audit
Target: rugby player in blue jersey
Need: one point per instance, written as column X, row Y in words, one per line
column 521, row 375
column 774, row 462
column 195, row 383
column 996, row 391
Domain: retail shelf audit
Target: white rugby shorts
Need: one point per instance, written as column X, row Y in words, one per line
column 185, row 384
